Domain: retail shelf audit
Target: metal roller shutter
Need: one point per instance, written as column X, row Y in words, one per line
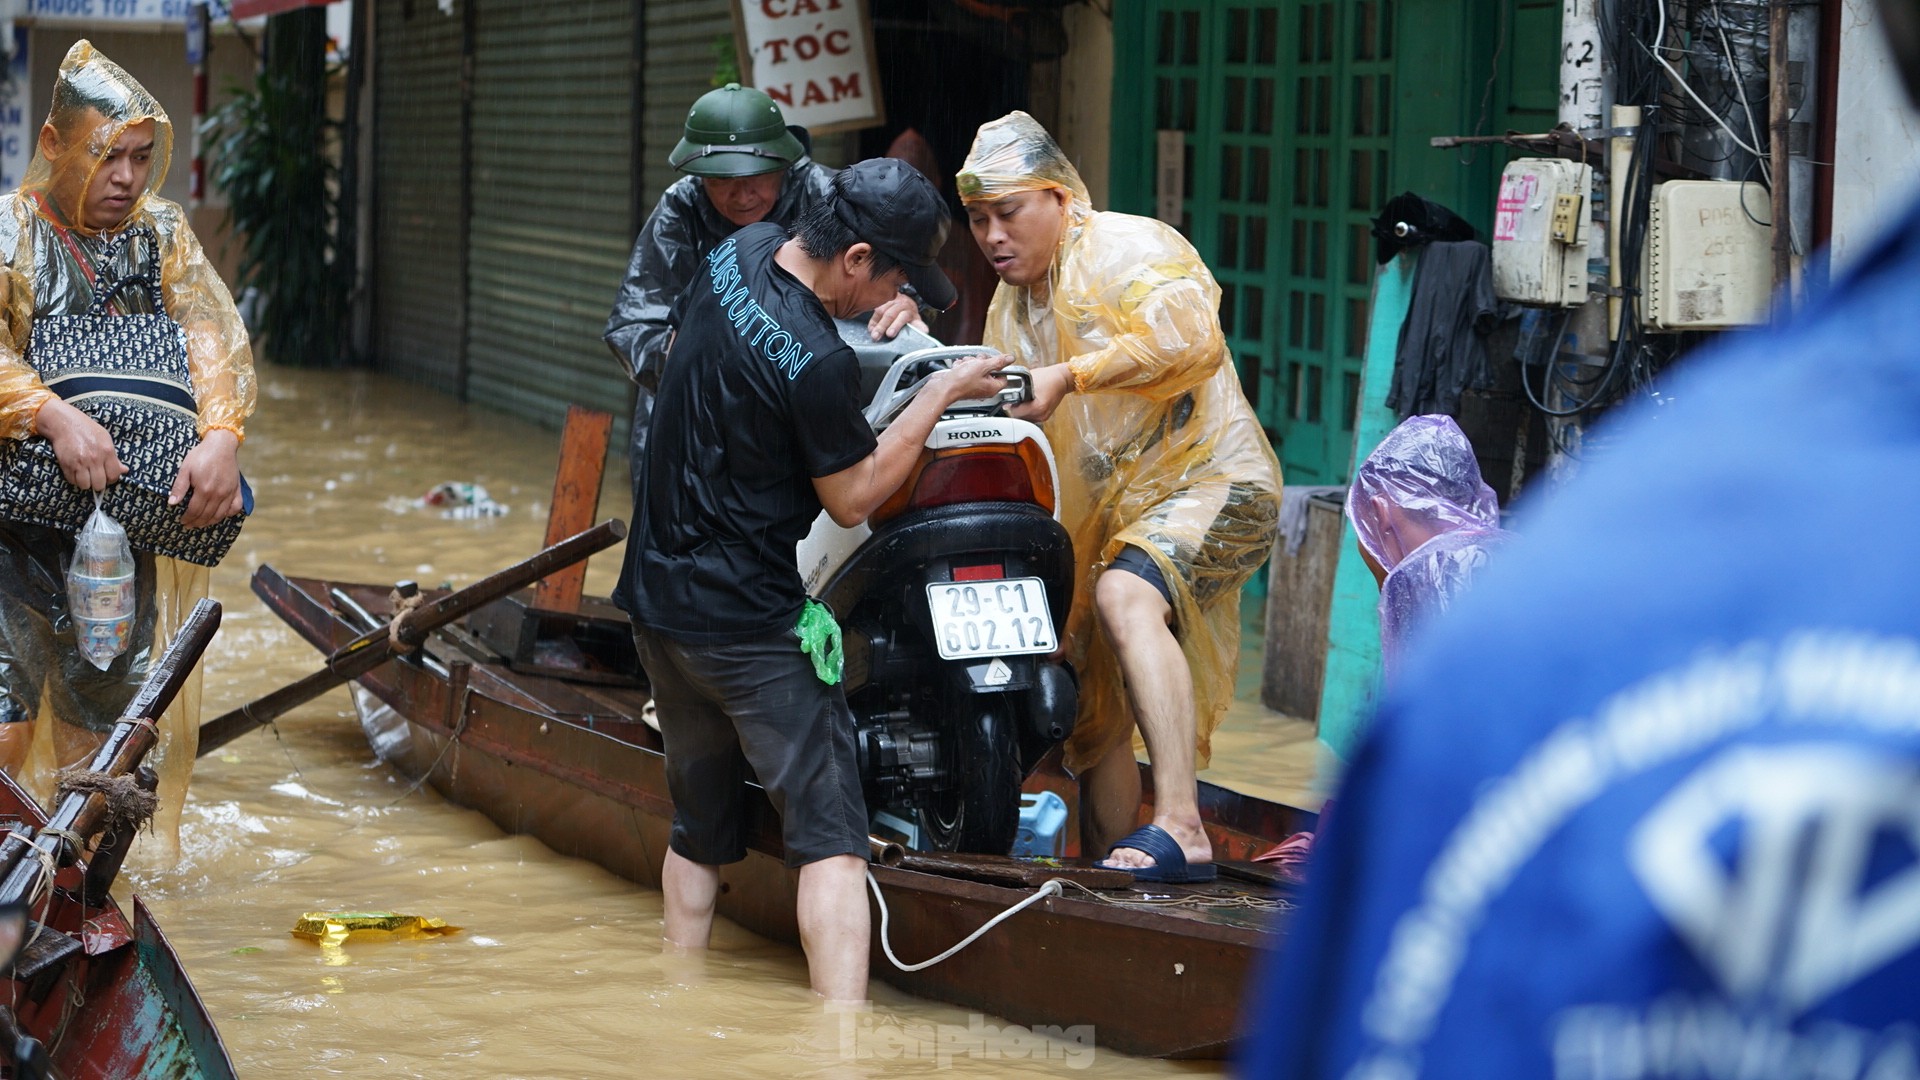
column 681, row 40
column 552, row 134
column 419, row 299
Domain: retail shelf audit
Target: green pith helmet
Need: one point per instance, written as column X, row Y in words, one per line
column 735, row 131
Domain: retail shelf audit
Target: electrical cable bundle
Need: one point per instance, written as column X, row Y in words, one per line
column 1598, row 390
column 1635, row 34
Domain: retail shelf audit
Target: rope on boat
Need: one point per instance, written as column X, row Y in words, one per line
column 128, row 805
column 1051, row 888
column 402, row 606
column 40, row 897
column 1195, row 900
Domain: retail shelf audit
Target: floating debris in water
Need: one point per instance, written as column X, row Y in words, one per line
column 462, row 502
column 334, row 927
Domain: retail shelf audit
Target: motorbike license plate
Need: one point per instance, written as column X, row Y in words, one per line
column 1004, row 617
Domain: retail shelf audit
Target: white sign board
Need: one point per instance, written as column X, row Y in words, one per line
column 815, row 58
column 122, row 10
column 17, row 128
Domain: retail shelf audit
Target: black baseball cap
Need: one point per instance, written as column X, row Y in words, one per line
column 889, row 204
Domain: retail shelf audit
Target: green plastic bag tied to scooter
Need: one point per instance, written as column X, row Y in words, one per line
column 820, row 640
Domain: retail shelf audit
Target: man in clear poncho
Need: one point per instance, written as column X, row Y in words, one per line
column 1168, row 485
column 88, row 209
column 1425, row 522
column 742, row 165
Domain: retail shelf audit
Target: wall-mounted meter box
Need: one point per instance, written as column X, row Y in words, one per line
column 1540, row 229
column 1708, row 260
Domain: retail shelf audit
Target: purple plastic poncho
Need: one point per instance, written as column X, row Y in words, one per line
column 1422, row 512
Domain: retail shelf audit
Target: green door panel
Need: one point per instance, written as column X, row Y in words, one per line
column 1286, row 110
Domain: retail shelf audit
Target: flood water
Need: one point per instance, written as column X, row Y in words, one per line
column 558, row 970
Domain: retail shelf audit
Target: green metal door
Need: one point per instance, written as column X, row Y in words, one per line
column 1340, row 112
column 1284, row 108
column 1299, row 118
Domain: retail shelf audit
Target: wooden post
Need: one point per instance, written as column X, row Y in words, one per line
column 576, row 500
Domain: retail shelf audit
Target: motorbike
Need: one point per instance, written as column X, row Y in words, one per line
column 951, row 599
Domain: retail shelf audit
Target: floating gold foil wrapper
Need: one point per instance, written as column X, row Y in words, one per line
column 335, row 927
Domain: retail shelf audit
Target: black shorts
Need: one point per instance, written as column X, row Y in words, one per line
column 1141, row 565
column 754, row 710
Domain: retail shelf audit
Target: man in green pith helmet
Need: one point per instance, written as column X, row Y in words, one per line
column 743, row 165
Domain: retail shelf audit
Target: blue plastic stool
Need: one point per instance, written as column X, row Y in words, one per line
column 1043, row 822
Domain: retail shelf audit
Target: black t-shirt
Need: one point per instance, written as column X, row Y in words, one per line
column 760, row 397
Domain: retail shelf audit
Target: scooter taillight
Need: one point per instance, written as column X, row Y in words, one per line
column 972, row 476
column 1018, row 473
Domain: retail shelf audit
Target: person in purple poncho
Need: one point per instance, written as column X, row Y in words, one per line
column 1426, row 522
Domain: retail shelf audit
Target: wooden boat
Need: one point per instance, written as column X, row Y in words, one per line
column 572, row 762
column 106, row 997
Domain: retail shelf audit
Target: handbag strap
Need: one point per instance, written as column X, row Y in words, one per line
column 103, row 297
column 149, row 275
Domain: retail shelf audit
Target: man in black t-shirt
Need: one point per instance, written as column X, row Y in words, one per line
column 758, row 428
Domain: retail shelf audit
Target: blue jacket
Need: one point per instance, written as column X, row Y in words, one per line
column 1647, row 803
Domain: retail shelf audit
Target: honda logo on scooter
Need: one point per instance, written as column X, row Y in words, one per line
column 964, row 435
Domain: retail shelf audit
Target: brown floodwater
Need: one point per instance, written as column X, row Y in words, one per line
column 558, row 969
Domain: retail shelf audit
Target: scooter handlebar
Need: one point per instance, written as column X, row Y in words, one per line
column 1019, row 388
column 909, row 373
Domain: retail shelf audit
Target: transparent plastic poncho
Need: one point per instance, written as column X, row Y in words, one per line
column 1421, row 511
column 1158, row 447
column 94, row 102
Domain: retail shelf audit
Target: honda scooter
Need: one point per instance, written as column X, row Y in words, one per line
column 951, row 599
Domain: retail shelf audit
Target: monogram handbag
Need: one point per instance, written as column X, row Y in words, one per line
column 130, row 374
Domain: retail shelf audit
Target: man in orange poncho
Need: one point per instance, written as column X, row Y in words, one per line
column 1168, row 485
column 86, row 211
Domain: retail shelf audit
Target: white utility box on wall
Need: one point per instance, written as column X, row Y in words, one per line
column 1708, row 260
column 1540, row 229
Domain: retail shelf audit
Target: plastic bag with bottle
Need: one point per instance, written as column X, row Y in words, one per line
column 100, row 589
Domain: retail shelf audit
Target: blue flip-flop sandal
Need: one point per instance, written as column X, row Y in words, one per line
column 1170, row 866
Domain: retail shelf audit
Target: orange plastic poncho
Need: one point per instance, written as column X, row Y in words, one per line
column 1158, row 449
column 94, row 102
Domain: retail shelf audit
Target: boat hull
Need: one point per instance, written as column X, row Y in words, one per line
column 122, row 1008
column 575, row 768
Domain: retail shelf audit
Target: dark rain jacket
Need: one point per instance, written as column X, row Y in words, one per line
column 677, row 236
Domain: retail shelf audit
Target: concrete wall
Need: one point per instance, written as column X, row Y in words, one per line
column 1876, row 137
column 1085, row 124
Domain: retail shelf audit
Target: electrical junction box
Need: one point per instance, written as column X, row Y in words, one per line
column 1540, row 230
column 1708, row 262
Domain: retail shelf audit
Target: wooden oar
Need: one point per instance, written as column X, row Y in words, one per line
column 376, row 647
column 80, row 814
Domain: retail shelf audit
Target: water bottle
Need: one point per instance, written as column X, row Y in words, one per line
column 100, row 589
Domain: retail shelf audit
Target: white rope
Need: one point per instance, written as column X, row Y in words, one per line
column 41, row 893
column 1051, row 888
